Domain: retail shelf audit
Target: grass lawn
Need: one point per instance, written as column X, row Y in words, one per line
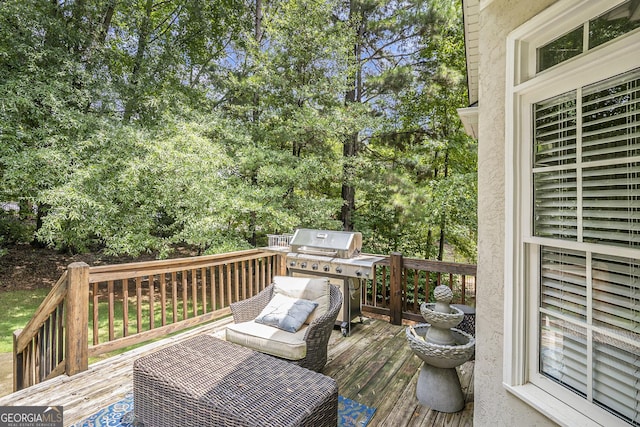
column 16, row 309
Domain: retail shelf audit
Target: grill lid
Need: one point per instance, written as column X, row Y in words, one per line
column 342, row 244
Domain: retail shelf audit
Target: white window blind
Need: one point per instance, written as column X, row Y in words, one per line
column 586, row 182
column 611, row 135
column 603, row 206
column 555, row 186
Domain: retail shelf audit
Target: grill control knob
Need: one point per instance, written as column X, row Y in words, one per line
column 326, row 268
column 292, row 263
column 338, row 269
column 303, row 265
column 358, row 273
column 314, row 266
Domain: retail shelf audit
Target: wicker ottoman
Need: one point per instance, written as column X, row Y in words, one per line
column 205, row 381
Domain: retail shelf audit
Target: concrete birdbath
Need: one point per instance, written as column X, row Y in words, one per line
column 442, row 348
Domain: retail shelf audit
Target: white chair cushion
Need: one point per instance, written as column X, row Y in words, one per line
column 269, row 340
column 313, row 289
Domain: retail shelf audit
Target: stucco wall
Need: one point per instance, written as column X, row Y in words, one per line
column 494, row 406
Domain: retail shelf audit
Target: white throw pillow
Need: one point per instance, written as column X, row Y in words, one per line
column 286, row 313
column 313, row 289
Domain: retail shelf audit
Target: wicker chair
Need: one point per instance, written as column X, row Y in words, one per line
column 317, row 332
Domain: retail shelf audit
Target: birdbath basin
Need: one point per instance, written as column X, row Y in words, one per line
column 441, row 356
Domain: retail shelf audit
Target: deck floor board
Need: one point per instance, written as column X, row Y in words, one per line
column 373, row 366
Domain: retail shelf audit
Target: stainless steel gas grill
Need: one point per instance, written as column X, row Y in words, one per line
column 336, row 255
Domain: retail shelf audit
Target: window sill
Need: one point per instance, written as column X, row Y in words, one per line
column 550, row 406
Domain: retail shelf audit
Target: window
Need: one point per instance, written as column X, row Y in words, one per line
column 561, row 49
column 594, row 197
column 619, row 20
column 587, row 189
column 572, row 341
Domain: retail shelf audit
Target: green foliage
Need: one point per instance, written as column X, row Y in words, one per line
column 14, row 228
column 134, row 127
column 418, row 183
column 136, row 190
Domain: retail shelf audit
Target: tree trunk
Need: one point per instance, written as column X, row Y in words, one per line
column 106, row 22
column 41, row 212
column 350, row 150
column 131, row 106
column 255, row 115
column 441, row 245
column 351, row 142
column 443, row 219
column 427, row 251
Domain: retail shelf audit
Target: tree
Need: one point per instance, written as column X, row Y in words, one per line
column 76, row 70
column 296, row 72
column 424, row 166
column 135, row 126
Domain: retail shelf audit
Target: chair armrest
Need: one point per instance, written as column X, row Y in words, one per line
column 322, row 326
column 248, row 309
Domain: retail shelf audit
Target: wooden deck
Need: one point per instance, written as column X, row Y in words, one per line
column 373, row 366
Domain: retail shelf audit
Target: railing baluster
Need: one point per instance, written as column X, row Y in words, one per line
column 269, row 265
column 18, row 366
column 111, row 310
column 416, row 289
column 96, row 318
column 139, row 304
column 163, row 299
column 203, row 284
column 125, row 307
column 229, row 287
column 405, row 290
column 374, row 288
column 384, row 287
column 53, row 346
column 174, row 296
column 185, row 298
column 464, row 288
column 42, row 350
column 221, row 285
column 152, row 301
column 60, row 327
column 245, row 292
column 212, row 280
column 427, row 288
column 194, row 293
column 28, row 369
column 251, row 279
column 236, row 280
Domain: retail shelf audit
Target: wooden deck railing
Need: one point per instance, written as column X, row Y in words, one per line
column 95, row 310
column 399, row 285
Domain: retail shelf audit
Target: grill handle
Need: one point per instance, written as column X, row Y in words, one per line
column 310, row 251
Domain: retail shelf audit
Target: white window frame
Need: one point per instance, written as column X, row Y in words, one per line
column 523, row 88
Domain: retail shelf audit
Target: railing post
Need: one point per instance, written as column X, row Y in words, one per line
column 282, row 265
column 395, row 297
column 18, row 364
column 77, row 319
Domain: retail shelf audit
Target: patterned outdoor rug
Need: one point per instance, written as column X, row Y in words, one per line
column 120, row 414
